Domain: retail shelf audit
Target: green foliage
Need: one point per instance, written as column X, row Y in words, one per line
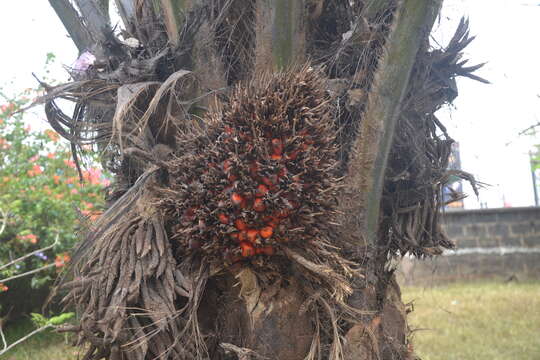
column 40, row 192
column 40, row 320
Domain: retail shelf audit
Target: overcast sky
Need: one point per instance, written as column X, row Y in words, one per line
column 485, row 120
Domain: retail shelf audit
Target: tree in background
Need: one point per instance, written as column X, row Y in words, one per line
column 41, row 203
column 271, row 158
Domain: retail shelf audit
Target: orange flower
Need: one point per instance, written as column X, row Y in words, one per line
column 56, row 179
column 52, row 135
column 3, row 288
column 37, row 169
column 32, row 238
column 61, row 260
column 51, row 155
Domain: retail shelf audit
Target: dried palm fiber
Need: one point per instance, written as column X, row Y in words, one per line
column 417, row 167
column 252, row 195
column 418, row 163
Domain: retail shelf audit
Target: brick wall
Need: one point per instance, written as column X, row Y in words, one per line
column 490, row 243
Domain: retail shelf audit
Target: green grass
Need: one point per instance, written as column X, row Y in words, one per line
column 465, row 321
column 47, row 345
column 477, row 321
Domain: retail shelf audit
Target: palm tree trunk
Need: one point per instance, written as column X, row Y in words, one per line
column 375, row 60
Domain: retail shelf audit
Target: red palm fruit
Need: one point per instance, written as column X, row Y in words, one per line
column 261, row 190
column 240, row 224
column 194, row 244
column 274, row 221
column 226, row 165
column 282, row 172
column 236, row 198
column 234, row 236
column 266, row 232
column 277, row 146
column 267, row 181
column 242, row 236
column 252, row 235
column 282, row 214
column 253, row 168
column 232, row 178
column 229, row 130
column 189, row 214
column 258, row 205
column 292, row 155
column 267, row 250
column 224, row 219
column 247, row 249
column 244, row 204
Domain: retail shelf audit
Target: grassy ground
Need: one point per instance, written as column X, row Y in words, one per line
column 477, row 321
column 44, row 346
column 469, row 321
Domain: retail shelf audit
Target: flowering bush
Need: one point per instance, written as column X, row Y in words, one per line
column 41, row 195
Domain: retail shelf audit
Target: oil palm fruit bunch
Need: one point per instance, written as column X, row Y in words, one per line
column 260, row 178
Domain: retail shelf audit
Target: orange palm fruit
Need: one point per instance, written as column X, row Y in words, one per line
column 275, row 157
column 258, row 205
column 242, row 236
column 252, row 235
column 277, row 146
column 236, row 198
column 262, row 190
column 292, row 155
column 267, row 250
column 247, row 249
column 224, row 219
column 240, row 224
column 253, row 168
column 266, row 232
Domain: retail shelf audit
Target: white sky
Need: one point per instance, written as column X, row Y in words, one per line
column 485, row 121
